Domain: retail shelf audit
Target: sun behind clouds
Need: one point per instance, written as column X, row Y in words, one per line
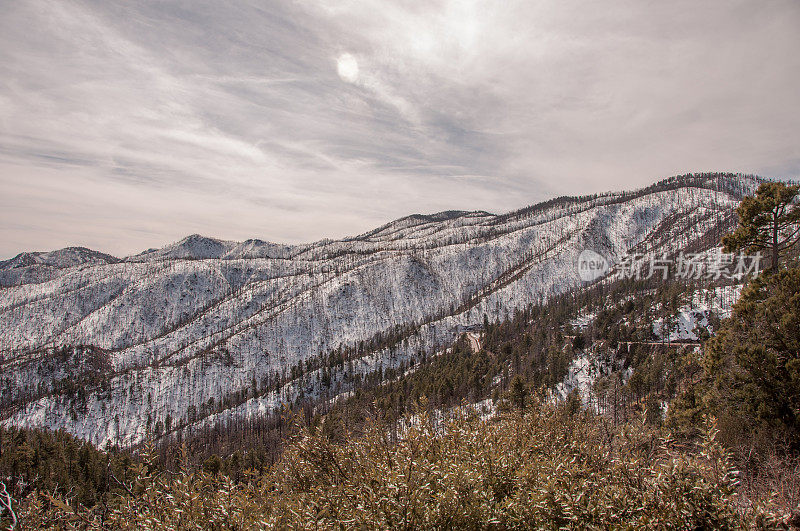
column 347, row 67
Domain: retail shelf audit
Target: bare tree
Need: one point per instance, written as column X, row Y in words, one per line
column 6, row 502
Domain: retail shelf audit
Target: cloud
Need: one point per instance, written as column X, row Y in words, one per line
column 128, row 125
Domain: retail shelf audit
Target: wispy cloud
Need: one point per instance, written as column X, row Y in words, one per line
column 128, row 125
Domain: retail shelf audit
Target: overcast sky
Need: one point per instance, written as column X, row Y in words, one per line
column 128, row 125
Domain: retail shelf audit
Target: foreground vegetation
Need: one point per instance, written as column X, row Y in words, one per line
column 546, row 466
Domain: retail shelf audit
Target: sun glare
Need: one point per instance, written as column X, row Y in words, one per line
column 347, row 68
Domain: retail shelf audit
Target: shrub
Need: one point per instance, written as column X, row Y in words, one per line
column 545, row 468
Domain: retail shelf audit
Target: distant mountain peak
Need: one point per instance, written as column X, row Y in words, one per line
column 59, row 259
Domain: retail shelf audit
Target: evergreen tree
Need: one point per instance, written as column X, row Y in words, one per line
column 518, row 392
column 754, row 362
column 769, row 221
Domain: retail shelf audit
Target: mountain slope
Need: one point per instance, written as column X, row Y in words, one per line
column 206, row 331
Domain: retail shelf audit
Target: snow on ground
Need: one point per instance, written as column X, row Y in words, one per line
column 692, row 318
column 201, row 319
column 581, row 377
column 485, row 409
column 583, row 320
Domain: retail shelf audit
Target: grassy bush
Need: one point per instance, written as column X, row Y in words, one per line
column 545, row 468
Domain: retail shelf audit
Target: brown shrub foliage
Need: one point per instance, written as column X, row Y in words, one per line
column 544, row 468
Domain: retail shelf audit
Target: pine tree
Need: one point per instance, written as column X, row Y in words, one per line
column 518, row 392
column 754, row 362
column 769, row 221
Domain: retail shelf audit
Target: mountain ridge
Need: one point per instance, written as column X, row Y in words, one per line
column 445, row 215
column 185, row 341
column 59, row 258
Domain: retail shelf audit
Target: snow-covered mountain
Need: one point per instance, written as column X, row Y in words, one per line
column 68, row 257
column 37, row 266
column 206, row 331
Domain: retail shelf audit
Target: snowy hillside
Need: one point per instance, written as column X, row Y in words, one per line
column 36, row 266
column 206, row 330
